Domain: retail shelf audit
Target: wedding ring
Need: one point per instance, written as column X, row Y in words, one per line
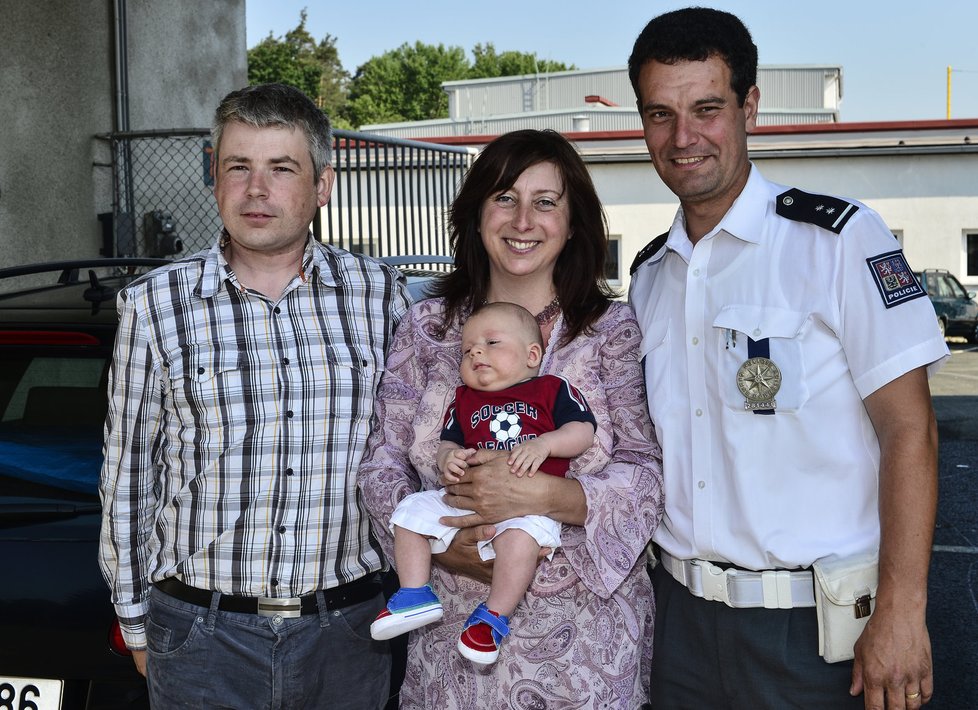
column 913, row 696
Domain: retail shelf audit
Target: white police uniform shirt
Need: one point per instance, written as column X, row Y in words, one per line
column 825, row 282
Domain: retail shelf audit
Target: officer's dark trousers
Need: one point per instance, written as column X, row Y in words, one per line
column 708, row 655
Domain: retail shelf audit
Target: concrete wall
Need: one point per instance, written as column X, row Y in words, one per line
column 58, row 88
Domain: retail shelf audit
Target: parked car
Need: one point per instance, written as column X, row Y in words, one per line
column 420, row 271
column 957, row 312
column 62, row 648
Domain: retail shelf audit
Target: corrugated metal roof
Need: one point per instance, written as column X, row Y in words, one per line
column 541, row 92
column 789, row 95
column 800, row 87
column 782, row 86
column 567, row 121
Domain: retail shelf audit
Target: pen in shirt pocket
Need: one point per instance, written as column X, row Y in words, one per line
column 731, row 338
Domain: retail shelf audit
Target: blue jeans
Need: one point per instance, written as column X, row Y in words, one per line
column 205, row 658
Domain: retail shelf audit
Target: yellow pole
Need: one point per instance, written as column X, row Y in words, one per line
column 948, row 92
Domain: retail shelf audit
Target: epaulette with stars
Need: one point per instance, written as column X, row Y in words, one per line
column 827, row 212
column 648, row 251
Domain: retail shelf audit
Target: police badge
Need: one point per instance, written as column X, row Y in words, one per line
column 759, row 380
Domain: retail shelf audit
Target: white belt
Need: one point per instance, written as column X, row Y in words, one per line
column 774, row 589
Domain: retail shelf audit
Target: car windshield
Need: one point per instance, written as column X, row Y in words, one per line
column 52, row 409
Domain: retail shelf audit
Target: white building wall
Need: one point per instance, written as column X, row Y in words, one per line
column 54, row 59
column 932, row 200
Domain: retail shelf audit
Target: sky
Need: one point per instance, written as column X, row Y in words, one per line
column 894, row 54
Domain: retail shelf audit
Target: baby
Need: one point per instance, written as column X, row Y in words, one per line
column 543, row 421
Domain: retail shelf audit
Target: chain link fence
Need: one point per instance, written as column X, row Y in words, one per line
column 390, row 197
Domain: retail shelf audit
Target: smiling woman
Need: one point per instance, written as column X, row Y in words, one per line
column 524, row 229
column 527, row 227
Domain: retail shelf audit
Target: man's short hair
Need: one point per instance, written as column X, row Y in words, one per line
column 278, row 105
column 694, row 34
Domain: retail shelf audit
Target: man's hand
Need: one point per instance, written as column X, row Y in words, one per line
column 893, row 666
column 462, row 556
column 489, row 489
column 494, row 494
column 139, row 658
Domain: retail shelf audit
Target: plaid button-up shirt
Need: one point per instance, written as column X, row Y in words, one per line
column 236, row 425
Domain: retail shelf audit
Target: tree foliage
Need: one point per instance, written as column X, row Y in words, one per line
column 402, row 84
column 488, row 63
column 297, row 60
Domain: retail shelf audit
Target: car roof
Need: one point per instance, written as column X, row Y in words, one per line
column 67, row 295
column 82, row 293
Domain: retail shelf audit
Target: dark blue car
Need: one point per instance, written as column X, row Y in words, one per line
column 62, row 648
column 957, row 312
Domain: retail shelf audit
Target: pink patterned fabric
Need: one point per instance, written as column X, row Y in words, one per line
column 582, row 637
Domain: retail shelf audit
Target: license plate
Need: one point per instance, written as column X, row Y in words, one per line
column 30, row 693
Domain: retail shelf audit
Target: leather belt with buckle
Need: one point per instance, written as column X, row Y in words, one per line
column 355, row 592
column 742, row 589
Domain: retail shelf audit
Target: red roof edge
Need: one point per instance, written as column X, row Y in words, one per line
column 870, row 126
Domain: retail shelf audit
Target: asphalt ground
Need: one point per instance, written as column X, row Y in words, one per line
column 952, row 605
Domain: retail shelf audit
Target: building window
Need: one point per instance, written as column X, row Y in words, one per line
column 971, row 253
column 613, row 264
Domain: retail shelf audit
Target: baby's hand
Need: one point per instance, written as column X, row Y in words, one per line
column 454, row 465
column 527, row 457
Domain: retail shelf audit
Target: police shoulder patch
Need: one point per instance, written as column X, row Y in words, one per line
column 894, row 279
column 827, row 212
column 648, row 251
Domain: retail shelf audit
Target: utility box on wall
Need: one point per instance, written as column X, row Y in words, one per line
column 160, row 234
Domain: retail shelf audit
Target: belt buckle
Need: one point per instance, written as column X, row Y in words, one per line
column 714, row 580
column 290, row 608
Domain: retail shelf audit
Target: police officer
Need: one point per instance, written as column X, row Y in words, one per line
column 787, row 347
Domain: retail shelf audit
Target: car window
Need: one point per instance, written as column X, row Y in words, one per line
column 954, row 289
column 38, row 376
column 52, row 409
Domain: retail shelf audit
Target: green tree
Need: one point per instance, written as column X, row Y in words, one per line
column 488, row 63
column 404, row 84
column 297, row 60
column 334, row 81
